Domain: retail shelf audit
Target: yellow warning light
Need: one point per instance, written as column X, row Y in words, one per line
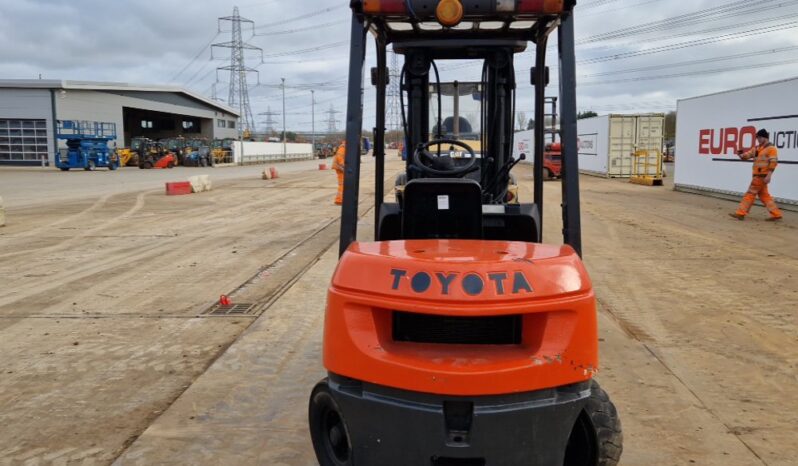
column 449, row 12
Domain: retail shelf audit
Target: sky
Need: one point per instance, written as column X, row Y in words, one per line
column 632, row 55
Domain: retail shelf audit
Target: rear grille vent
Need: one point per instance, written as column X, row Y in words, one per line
column 424, row 328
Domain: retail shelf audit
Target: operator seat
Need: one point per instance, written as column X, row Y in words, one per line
column 442, row 208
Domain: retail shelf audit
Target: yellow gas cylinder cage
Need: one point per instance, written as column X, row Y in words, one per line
column 647, row 167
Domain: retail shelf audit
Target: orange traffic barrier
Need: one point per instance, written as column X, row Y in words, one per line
column 178, row 188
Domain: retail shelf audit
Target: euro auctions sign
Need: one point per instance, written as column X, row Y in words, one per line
column 711, row 129
column 726, row 141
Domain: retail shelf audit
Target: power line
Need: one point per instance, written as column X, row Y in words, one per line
column 302, row 29
column 602, row 12
column 307, row 50
column 305, row 16
column 193, row 79
column 595, row 4
column 739, row 8
column 691, row 43
column 191, row 62
column 693, row 62
column 694, row 42
column 691, row 73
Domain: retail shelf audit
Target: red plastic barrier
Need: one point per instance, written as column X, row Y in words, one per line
column 273, row 172
column 178, row 188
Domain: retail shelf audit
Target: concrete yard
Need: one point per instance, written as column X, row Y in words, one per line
column 108, row 355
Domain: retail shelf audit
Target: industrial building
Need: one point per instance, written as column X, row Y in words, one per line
column 30, row 108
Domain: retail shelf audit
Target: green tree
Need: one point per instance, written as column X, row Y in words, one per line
column 531, row 124
column 586, row 114
column 290, row 136
column 670, row 126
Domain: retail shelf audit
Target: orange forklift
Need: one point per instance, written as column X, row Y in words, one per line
column 458, row 337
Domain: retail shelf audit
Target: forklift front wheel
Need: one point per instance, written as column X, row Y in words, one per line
column 328, row 430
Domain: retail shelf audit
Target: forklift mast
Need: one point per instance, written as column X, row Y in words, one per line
column 421, row 47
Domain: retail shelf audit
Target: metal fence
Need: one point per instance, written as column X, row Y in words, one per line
column 267, row 158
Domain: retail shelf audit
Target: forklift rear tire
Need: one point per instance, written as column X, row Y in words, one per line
column 547, row 174
column 331, row 440
column 112, row 166
column 170, row 165
column 64, row 169
column 203, row 162
column 597, row 438
column 90, row 166
column 146, row 165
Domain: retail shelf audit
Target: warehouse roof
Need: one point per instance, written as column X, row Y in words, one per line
column 107, row 86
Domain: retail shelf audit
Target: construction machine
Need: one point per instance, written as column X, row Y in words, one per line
column 127, row 156
column 552, row 160
column 201, row 157
column 196, row 152
column 222, row 150
column 552, row 151
column 86, row 145
column 178, row 146
column 323, row 150
column 153, row 154
column 457, row 336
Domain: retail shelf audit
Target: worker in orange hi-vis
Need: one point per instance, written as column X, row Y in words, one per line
column 339, row 161
column 765, row 157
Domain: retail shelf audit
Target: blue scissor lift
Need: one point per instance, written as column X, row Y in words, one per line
column 87, row 145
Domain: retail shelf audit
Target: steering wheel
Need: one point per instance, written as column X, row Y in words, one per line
column 425, row 160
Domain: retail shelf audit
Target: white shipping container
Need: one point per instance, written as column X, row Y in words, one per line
column 524, row 143
column 710, row 129
column 607, row 143
column 261, row 152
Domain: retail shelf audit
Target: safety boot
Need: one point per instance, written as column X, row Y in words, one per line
column 737, row 216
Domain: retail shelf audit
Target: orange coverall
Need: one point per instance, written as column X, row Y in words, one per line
column 338, row 166
column 765, row 162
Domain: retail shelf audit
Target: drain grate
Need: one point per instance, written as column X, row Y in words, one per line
column 238, row 309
